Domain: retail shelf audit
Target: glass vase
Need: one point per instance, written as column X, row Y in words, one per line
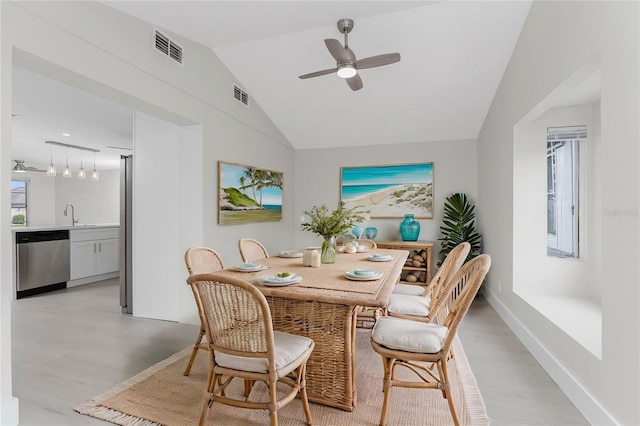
column 409, row 228
column 328, row 253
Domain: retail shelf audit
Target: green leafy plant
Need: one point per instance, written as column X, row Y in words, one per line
column 458, row 225
column 18, row 219
column 331, row 224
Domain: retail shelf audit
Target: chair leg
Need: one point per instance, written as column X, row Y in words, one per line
column 444, row 379
column 386, row 388
column 273, row 405
column 205, row 411
column 196, row 347
column 302, row 371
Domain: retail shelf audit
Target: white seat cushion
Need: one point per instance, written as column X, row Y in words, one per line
column 409, row 305
column 289, row 348
column 413, row 290
column 408, row 335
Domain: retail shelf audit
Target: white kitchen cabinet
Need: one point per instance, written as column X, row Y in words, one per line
column 94, row 252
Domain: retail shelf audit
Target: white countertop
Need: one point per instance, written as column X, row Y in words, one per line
column 64, row 227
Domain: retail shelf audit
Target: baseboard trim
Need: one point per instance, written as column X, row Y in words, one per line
column 9, row 412
column 584, row 401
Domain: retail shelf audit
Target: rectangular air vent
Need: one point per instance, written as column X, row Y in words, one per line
column 240, row 95
column 168, row 47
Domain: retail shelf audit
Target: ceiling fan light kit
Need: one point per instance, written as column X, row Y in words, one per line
column 19, row 167
column 347, row 65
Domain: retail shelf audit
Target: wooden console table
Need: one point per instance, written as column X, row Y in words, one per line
column 422, row 273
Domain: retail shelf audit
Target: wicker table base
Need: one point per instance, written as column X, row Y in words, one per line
column 330, row 370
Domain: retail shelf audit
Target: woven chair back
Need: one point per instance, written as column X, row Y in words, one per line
column 251, row 250
column 462, row 289
column 236, row 315
column 452, row 263
column 202, row 260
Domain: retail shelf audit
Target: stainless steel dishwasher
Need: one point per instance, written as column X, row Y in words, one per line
column 42, row 261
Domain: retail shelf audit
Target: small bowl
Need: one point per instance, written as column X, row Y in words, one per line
column 365, row 272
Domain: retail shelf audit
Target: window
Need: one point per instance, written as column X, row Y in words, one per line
column 19, row 202
column 563, row 147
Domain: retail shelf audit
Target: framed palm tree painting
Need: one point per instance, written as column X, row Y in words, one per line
column 248, row 194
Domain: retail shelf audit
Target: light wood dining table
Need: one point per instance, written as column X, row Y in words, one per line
column 322, row 306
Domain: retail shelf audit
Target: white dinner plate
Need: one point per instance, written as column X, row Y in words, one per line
column 362, row 250
column 273, row 281
column 243, row 268
column 354, row 277
column 380, row 258
column 290, row 253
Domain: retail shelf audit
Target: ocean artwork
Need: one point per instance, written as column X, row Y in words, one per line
column 248, row 194
column 389, row 191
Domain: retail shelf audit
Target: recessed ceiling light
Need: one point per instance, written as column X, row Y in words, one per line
column 66, row 134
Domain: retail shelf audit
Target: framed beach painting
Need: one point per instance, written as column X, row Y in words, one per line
column 248, row 194
column 389, row 191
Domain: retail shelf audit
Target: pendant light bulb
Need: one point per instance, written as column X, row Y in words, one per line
column 51, row 168
column 94, row 172
column 81, row 174
column 66, row 173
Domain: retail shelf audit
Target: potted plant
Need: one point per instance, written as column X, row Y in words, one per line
column 329, row 225
column 458, row 225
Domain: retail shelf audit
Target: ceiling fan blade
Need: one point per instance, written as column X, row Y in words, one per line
column 318, row 73
column 377, row 61
column 355, row 82
column 337, row 50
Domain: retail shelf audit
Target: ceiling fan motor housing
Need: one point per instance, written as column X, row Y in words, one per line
column 345, row 25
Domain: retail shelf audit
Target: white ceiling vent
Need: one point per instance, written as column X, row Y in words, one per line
column 240, row 95
column 168, row 47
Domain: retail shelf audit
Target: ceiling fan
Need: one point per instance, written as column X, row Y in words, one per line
column 347, row 65
column 21, row 168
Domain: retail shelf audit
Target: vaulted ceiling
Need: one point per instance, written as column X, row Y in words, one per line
column 454, row 54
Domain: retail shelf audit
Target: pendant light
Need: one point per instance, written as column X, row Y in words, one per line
column 66, row 173
column 94, row 172
column 51, row 168
column 81, row 174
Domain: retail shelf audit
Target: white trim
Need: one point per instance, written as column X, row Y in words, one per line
column 584, row 401
column 9, row 412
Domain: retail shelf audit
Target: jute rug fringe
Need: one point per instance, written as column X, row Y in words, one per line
column 93, row 408
column 473, row 398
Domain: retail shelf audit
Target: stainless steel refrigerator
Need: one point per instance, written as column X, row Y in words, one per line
column 126, row 203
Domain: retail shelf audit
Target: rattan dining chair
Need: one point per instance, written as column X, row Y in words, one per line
column 251, row 250
column 200, row 260
column 244, row 345
column 424, row 307
column 411, row 344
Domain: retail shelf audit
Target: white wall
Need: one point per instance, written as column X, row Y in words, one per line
column 318, row 181
column 548, row 52
column 94, row 201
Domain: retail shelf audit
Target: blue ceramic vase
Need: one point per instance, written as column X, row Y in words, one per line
column 409, row 228
column 370, row 233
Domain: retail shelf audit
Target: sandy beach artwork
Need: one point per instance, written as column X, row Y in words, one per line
column 389, row 191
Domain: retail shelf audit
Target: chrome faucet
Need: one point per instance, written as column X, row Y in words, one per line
column 73, row 214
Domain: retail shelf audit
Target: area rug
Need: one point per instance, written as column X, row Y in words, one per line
column 162, row 395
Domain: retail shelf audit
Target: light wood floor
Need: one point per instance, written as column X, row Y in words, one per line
column 73, row 344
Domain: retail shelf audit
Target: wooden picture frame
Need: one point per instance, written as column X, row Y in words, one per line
column 389, row 191
column 248, row 194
